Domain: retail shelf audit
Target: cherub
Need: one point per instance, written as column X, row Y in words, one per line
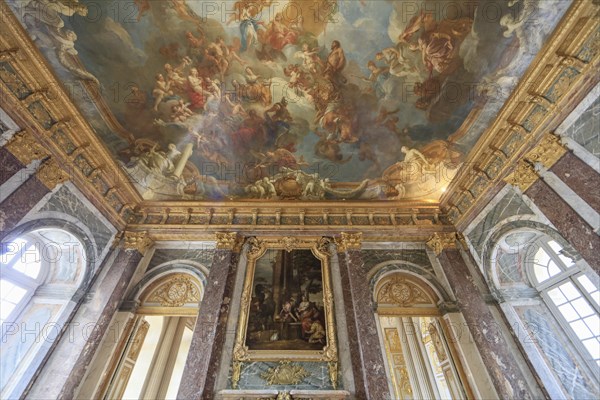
column 311, row 61
column 161, row 89
column 268, row 187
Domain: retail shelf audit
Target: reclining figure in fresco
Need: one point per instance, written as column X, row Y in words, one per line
column 49, row 13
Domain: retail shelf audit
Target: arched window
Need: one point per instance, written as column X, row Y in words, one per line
column 40, row 271
column 564, row 321
column 418, row 356
column 570, row 294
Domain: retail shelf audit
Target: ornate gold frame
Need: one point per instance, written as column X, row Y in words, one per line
column 257, row 248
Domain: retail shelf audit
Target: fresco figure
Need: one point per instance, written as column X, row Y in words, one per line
column 279, row 122
column 336, row 62
column 278, row 35
column 161, row 89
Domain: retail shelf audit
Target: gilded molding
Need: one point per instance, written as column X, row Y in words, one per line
column 439, row 242
column 548, row 151
column 26, row 148
column 241, row 353
column 139, row 241
column 523, row 176
column 228, row 241
column 349, row 241
column 51, row 174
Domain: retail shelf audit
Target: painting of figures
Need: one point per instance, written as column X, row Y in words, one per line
column 287, row 311
column 291, row 99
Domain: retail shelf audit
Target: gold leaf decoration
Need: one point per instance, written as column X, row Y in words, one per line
column 438, row 242
column 401, row 292
column 285, row 373
column 176, row 292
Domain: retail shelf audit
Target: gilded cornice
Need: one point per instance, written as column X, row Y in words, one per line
column 25, row 147
column 562, row 73
column 547, row 152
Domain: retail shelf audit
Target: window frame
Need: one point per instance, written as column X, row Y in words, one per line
column 567, row 274
column 22, row 280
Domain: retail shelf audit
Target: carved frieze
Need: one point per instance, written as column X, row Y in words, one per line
column 401, row 292
column 176, row 292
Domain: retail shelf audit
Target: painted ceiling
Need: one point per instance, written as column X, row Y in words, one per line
column 290, row 99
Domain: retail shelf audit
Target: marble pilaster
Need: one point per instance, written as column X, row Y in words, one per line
column 22, row 200
column 9, row 165
column 203, row 362
column 365, row 349
column 66, row 367
column 580, row 177
column 566, row 220
column 508, row 379
column 20, row 150
column 19, row 203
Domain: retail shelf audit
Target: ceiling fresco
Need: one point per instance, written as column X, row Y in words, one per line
column 289, row 99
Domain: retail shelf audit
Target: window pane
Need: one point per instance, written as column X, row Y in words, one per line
column 29, row 263
column 553, row 269
column 593, row 346
column 11, row 292
column 557, row 297
column 541, row 273
column 583, row 307
column 568, row 312
column 10, row 296
column 541, row 257
column 587, row 284
column 593, row 322
column 570, row 291
column 581, row 330
column 555, row 246
column 558, row 250
column 11, row 250
column 5, row 309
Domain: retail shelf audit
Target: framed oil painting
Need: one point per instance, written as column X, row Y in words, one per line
column 287, row 304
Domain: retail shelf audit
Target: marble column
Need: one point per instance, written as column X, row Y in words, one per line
column 509, row 381
column 580, row 177
column 22, row 200
column 66, row 367
column 567, row 221
column 365, row 349
column 203, row 362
